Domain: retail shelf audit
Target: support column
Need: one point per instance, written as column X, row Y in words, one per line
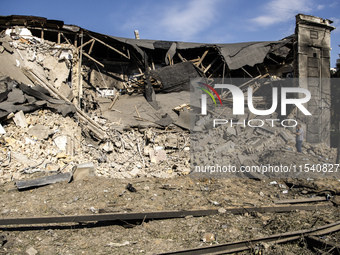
column 312, row 67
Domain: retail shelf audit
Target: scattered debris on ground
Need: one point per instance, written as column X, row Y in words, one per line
column 94, row 127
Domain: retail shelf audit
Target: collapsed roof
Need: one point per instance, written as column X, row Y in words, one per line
column 109, row 65
column 211, row 59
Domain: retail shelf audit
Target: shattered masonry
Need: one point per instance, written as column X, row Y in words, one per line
column 103, row 81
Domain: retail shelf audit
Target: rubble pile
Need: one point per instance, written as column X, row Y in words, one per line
column 53, row 143
column 59, row 110
column 245, row 146
column 50, row 61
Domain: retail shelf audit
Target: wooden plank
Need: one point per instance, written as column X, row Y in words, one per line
column 94, row 60
column 91, row 47
column 114, row 100
column 49, row 30
column 300, row 200
column 82, row 115
column 280, row 209
column 244, row 70
column 181, row 58
column 75, row 40
column 65, row 38
column 208, row 67
column 109, row 46
column 219, row 66
column 201, row 59
column 80, row 77
column 137, row 112
column 88, row 42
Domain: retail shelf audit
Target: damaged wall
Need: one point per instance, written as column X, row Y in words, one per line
column 312, row 67
column 86, row 65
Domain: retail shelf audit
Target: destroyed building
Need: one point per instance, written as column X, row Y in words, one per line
column 111, row 65
column 76, row 105
column 113, row 86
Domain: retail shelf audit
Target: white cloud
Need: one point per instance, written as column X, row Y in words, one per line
column 176, row 20
column 186, row 21
column 277, row 11
column 320, row 7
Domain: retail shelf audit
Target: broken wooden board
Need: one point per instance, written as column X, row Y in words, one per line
column 301, row 200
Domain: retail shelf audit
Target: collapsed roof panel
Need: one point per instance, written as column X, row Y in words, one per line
column 175, row 77
column 234, row 55
column 19, row 20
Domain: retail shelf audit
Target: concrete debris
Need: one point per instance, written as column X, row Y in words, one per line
column 40, row 132
column 31, row 251
column 222, row 146
column 84, row 170
column 2, row 130
column 72, row 106
column 20, row 120
column 43, row 181
column 157, row 156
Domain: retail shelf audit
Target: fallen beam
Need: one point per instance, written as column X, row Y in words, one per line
column 88, row 42
column 155, row 215
column 38, row 182
column 109, row 46
column 240, row 246
column 106, row 217
column 201, row 59
column 82, row 115
column 277, row 209
column 300, row 200
column 93, row 59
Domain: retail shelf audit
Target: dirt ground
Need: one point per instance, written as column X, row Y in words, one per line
column 103, row 195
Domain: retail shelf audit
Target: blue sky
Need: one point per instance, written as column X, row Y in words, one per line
column 209, row 21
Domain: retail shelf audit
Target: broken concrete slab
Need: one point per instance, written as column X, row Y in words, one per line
column 227, row 147
column 134, row 172
column 22, row 159
column 183, row 120
column 66, row 91
column 20, row 119
column 238, row 130
column 165, row 121
column 286, row 137
column 231, row 130
column 84, row 170
column 65, row 144
column 157, row 156
column 246, row 158
column 267, row 129
column 43, row 181
column 108, row 146
column 205, row 141
column 39, row 131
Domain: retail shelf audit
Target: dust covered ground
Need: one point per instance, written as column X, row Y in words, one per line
column 161, row 185
column 96, row 195
column 154, row 160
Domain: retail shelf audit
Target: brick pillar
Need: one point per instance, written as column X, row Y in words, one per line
column 312, row 67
